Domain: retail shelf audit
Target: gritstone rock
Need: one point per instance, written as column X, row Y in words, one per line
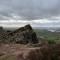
column 23, row 35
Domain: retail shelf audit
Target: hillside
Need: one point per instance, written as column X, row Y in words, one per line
column 26, row 43
column 53, row 37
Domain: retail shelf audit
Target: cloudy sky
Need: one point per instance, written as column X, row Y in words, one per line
column 38, row 13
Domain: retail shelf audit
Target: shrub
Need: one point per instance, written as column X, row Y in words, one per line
column 51, row 42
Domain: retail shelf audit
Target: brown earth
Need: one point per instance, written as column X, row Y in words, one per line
column 22, row 52
column 17, row 51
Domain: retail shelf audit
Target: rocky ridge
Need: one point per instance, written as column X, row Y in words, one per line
column 22, row 35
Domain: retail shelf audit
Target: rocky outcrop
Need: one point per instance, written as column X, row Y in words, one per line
column 23, row 35
column 1, row 28
column 3, row 34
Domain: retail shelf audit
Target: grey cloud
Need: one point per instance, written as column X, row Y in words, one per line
column 29, row 9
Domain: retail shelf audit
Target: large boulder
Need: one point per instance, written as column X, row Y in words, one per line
column 23, row 35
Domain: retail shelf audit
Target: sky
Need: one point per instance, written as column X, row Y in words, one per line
column 38, row 13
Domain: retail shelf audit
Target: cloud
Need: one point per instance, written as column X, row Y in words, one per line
column 38, row 13
column 34, row 23
column 29, row 9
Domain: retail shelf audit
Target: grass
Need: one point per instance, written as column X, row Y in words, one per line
column 51, row 37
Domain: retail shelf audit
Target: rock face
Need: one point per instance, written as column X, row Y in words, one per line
column 23, row 35
column 1, row 28
column 2, row 34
